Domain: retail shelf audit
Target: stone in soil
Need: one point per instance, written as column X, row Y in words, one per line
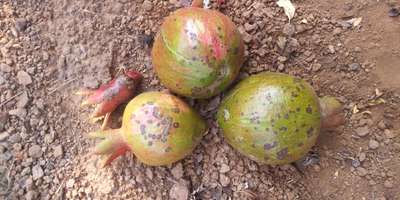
column 177, row 171
column 224, row 180
column 23, row 100
column 354, row 66
column 3, row 120
column 388, row 184
column 362, row 131
column 37, row 172
column 5, row 68
column 24, row 78
column 224, row 168
column 57, row 151
column 361, row 171
column 4, row 136
column 21, row 24
column 35, row 151
column 179, row 191
column 389, row 134
column 373, row 144
column 147, row 5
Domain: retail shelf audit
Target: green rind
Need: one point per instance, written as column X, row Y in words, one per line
column 272, row 118
column 198, row 52
column 161, row 129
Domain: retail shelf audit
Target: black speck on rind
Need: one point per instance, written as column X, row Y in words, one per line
column 286, row 116
column 282, row 154
column 176, row 124
column 142, row 129
column 284, row 129
column 150, row 143
column 270, row 146
column 310, row 132
column 309, row 109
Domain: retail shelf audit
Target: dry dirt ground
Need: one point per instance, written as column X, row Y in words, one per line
column 49, row 49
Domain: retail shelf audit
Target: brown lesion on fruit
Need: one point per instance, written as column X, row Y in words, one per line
column 283, row 128
column 309, row 109
column 280, row 155
column 268, row 146
column 310, row 132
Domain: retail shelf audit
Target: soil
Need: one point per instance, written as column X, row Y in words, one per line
column 51, row 49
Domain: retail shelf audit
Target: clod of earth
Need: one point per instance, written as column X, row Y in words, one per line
column 275, row 118
column 109, row 96
column 158, row 128
column 197, row 52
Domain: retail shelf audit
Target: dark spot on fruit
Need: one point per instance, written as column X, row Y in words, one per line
column 150, row 143
column 270, row 146
column 175, row 110
column 294, row 95
column 310, row 132
column 253, row 145
column 267, row 129
column 284, row 128
column 168, row 149
column 303, row 125
column 194, row 59
column 272, row 120
column 298, row 89
column 309, row 109
column 142, row 129
column 241, row 113
column 282, row 154
column 298, row 109
column 219, row 28
column 297, row 130
column 176, row 125
column 286, row 116
column 236, row 50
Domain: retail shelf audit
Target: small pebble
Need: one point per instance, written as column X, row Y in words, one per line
column 362, row 131
column 361, row 171
column 362, row 156
column 354, row 66
column 147, row 5
column 37, row 172
column 179, row 191
column 35, row 151
column 24, row 78
column 177, row 171
column 224, row 168
column 224, row 180
column 388, row 184
column 389, row 134
column 394, row 12
column 373, row 144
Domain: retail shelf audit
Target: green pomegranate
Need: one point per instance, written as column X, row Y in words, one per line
column 197, row 52
column 275, row 118
column 158, row 128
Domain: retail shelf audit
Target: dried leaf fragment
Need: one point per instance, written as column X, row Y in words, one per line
column 288, row 7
